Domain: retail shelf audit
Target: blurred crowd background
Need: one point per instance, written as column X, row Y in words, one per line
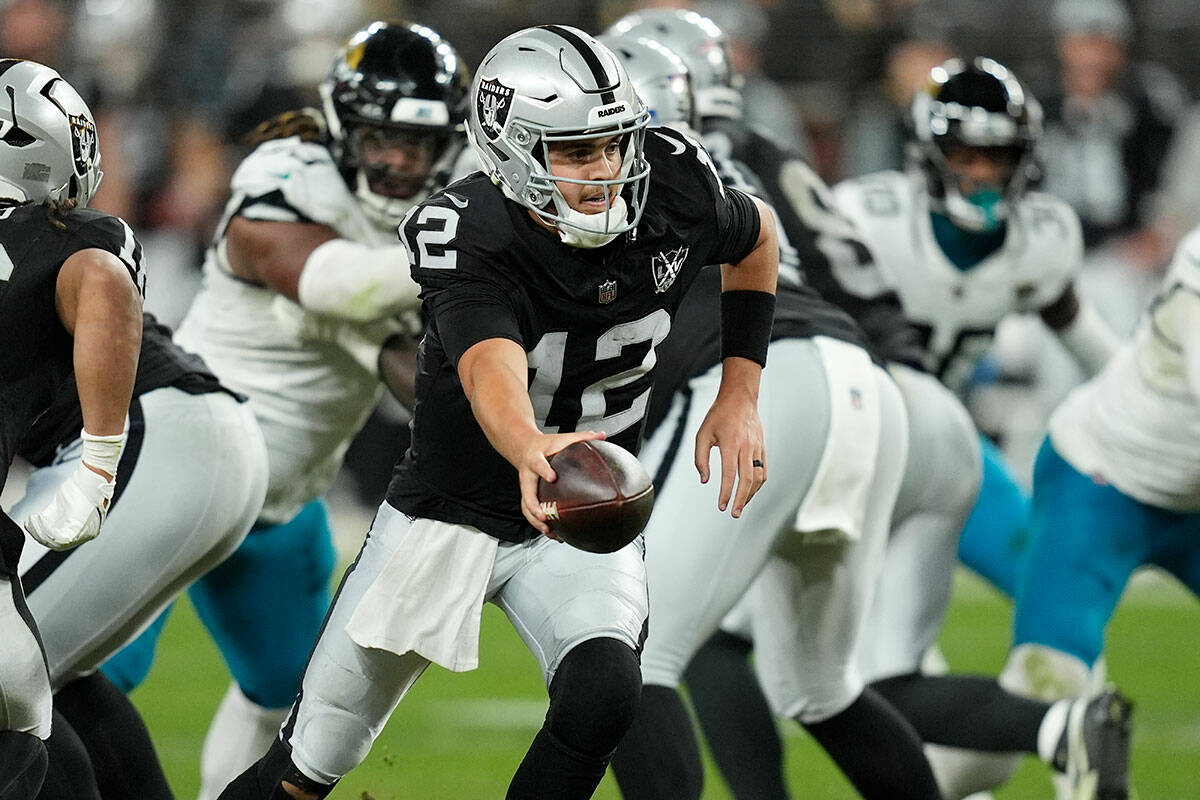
column 176, row 86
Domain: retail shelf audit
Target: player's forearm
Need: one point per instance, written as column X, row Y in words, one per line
column 493, row 375
column 1089, row 339
column 102, row 309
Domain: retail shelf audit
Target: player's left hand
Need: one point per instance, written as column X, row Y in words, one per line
column 733, row 425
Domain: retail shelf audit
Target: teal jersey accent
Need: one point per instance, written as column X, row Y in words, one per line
column 965, row 249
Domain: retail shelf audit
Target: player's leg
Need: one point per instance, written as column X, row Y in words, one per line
column 130, row 665
column 172, row 519
column 996, row 535
column 809, row 612
column 69, row 774
column 263, row 606
column 347, row 692
column 733, row 713
column 583, row 617
column 700, row 562
column 1176, row 546
column 25, row 709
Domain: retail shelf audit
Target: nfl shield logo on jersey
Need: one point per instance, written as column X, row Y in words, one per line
column 666, row 267
column 492, row 104
column 608, row 292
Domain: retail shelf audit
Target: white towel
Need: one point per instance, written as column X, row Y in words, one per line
column 428, row 598
column 836, row 503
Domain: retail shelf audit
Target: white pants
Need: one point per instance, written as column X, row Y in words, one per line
column 812, row 595
column 555, row 596
column 25, row 702
column 195, row 489
column 941, row 483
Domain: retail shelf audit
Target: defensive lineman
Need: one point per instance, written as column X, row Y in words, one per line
column 301, row 286
column 547, row 282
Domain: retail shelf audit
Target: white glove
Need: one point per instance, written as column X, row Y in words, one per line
column 79, row 507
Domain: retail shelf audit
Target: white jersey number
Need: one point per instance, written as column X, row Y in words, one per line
column 548, row 359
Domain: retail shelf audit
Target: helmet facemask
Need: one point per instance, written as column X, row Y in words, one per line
column 396, row 167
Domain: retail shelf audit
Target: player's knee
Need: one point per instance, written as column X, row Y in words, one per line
column 23, row 762
column 1035, row 670
column 594, row 696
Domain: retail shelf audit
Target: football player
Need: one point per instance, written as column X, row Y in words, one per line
column 69, row 302
column 166, row 519
column 1116, row 486
column 936, row 495
column 838, row 451
column 548, row 280
column 302, row 287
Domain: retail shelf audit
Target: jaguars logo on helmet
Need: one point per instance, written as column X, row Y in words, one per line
column 395, row 103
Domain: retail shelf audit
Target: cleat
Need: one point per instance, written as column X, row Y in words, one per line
column 1095, row 746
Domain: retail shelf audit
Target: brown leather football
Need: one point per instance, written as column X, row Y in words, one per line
column 601, row 499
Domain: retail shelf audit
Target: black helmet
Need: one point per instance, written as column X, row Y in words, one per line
column 401, row 83
column 981, row 104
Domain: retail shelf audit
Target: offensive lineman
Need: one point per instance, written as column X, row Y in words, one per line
column 172, row 517
column 301, row 284
column 70, row 301
column 547, row 282
column 835, row 424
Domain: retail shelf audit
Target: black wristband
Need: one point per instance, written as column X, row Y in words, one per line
column 746, row 318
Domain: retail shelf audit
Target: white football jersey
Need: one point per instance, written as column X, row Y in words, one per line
column 1136, row 425
column 309, row 395
column 958, row 310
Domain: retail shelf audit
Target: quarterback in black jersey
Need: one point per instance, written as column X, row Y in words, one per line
column 70, row 300
column 547, row 282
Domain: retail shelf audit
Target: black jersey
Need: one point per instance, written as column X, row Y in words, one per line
column 816, row 241
column 161, row 363
column 36, row 354
column 589, row 321
column 694, row 346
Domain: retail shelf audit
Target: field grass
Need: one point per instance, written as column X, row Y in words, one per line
column 461, row 736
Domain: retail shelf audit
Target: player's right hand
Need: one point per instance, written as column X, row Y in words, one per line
column 535, row 463
column 76, row 512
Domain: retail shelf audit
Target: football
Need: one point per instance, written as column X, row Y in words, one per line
column 601, row 499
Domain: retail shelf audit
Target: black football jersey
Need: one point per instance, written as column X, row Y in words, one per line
column 589, row 321
column 161, row 363
column 36, row 357
column 818, row 245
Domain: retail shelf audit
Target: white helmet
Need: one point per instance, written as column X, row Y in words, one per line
column 48, row 145
column 702, row 45
column 660, row 77
column 557, row 84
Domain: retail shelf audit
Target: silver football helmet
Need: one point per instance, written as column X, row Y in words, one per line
column 701, row 44
column 49, row 151
column 975, row 104
column 660, row 77
column 558, row 84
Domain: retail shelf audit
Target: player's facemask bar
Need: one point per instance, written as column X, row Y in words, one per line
column 576, row 228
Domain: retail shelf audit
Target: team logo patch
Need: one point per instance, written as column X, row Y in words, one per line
column 608, row 292
column 492, row 105
column 83, row 142
column 666, row 266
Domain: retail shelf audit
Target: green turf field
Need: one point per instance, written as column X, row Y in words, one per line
column 461, row 736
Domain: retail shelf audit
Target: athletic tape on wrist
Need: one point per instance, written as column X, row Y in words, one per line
column 103, row 452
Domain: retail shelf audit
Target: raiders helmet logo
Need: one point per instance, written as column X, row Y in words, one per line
column 492, row 105
column 666, row 266
column 83, row 142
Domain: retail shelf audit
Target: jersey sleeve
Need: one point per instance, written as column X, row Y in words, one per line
column 454, row 257
column 112, row 234
column 1185, row 266
column 691, row 172
column 286, row 180
column 1055, row 230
